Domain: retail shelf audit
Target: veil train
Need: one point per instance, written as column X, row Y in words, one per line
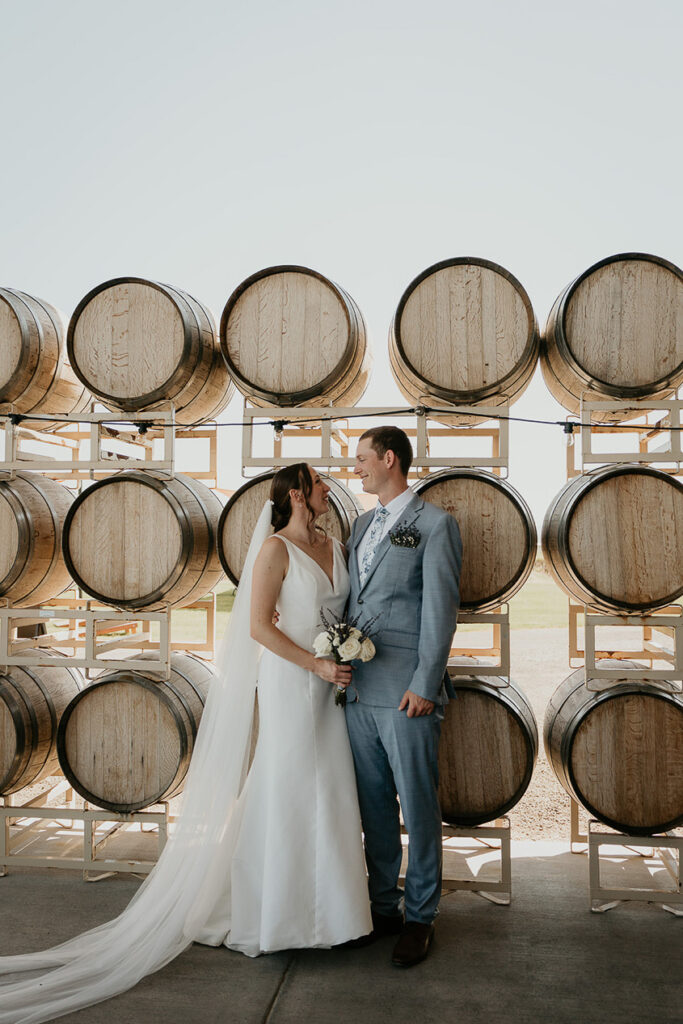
column 175, row 900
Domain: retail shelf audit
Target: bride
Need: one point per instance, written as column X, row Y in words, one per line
column 259, row 861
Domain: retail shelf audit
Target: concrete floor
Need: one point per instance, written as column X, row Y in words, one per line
column 545, row 958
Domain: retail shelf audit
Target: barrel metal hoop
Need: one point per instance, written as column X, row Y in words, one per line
column 146, row 479
column 23, row 372
column 304, row 395
column 22, row 755
column 475, row 396
column 529, row 731
column 157, row 394
column 261, row 478
column 53, row 716
column 61, row 348
column 574, row 492
column 138, row 679
column 559, row 334
column 580, row 715
column 24, row 527
column 36, row 481
column 211, row 545
column 522, row 573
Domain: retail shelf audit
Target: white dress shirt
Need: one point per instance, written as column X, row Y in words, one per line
column 395, row 508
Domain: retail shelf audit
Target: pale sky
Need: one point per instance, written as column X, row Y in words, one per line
column 196, row 143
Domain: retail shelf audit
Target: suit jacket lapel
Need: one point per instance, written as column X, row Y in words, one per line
column 360, row 533
column 414, row 506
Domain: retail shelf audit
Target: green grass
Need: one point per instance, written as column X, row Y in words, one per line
column 540, row 604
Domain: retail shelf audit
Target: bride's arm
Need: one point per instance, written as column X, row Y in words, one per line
column 270, row 569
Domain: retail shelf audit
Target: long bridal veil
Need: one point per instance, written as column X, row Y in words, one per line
column 173, row 903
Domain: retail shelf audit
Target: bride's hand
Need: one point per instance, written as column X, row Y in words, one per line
column 340, row 675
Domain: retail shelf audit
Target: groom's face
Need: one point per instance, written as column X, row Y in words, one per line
column 370, row 468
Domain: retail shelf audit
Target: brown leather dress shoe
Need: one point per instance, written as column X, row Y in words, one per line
column 413, row 945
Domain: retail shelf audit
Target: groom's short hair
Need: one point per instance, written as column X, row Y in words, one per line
column 391, row 439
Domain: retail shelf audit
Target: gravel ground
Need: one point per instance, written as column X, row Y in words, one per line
column 539, row 660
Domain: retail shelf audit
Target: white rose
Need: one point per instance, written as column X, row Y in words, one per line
column 367, row 650
column 350, row 649
column 356, row 634
column 322, row 645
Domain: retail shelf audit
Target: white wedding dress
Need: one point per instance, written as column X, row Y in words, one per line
column 260, row 861
column 297, row 877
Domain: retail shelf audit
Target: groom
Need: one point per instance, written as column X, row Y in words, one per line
column 404, row 562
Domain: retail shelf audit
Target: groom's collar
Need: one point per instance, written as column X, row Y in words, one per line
column 413, row 503
column 397, row 504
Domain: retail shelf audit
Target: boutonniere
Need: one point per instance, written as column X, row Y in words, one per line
column 405, row 536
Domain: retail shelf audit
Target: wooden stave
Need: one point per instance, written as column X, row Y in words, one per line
column 555, row 534
column 210, row 388
column 199, row 386
column 40, row 506
column 576, row 702
column 343, row 505
column 35, row 698
column 184, row 696
column 345, row 384
column 418, row 390
column 568, row 381
column 526, row 564
column 179, row 589
column 43, row 382
column 515, row 703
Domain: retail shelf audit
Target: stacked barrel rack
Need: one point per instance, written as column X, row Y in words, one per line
column 463, row 346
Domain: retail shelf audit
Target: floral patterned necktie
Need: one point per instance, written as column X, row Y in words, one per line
column 373, row 541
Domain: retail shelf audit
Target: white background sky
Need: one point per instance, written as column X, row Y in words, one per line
column 196, row 143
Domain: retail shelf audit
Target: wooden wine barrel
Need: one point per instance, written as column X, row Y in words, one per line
column 32, row 701
column 487, row 751
column 497, row 529
column 619, row 751
column 126, row 740
column 616, row 333
column 239, row 516
column 34, row 374
column 32, row 512
column 612, row 538
column 464, row 333
column 139, row 344
column 292, row 337
column 144, row 539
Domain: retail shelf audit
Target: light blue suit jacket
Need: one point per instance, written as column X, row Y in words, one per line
column 415, row 592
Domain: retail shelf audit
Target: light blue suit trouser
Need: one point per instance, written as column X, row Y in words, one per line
column 394, row 754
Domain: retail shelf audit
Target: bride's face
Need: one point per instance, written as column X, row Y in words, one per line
column 318, row 499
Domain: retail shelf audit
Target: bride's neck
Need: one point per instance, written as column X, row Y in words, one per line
column 302, row 529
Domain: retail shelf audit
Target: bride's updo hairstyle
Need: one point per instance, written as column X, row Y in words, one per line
column 289, row 478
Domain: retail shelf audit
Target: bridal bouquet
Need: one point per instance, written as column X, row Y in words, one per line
column 346, row 640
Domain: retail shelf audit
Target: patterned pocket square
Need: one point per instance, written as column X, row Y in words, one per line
column 405, row 536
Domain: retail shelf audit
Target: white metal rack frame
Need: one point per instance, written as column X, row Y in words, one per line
column 655, row 420
column 665, row 623
column 495, row 837
column 35, row 651
column 499, row 651
column 332, row 429
column 22, row 830
column 496, row 891
column 667, row 849
column 102, row 437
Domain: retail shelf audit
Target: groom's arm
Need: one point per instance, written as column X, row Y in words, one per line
column 440, row 603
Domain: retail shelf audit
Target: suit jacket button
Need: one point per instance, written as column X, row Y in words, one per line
column 360, row 600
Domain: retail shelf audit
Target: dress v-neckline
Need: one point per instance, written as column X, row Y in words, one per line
column 312, row 559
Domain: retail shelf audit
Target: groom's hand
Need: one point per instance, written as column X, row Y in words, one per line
column 416, row 705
